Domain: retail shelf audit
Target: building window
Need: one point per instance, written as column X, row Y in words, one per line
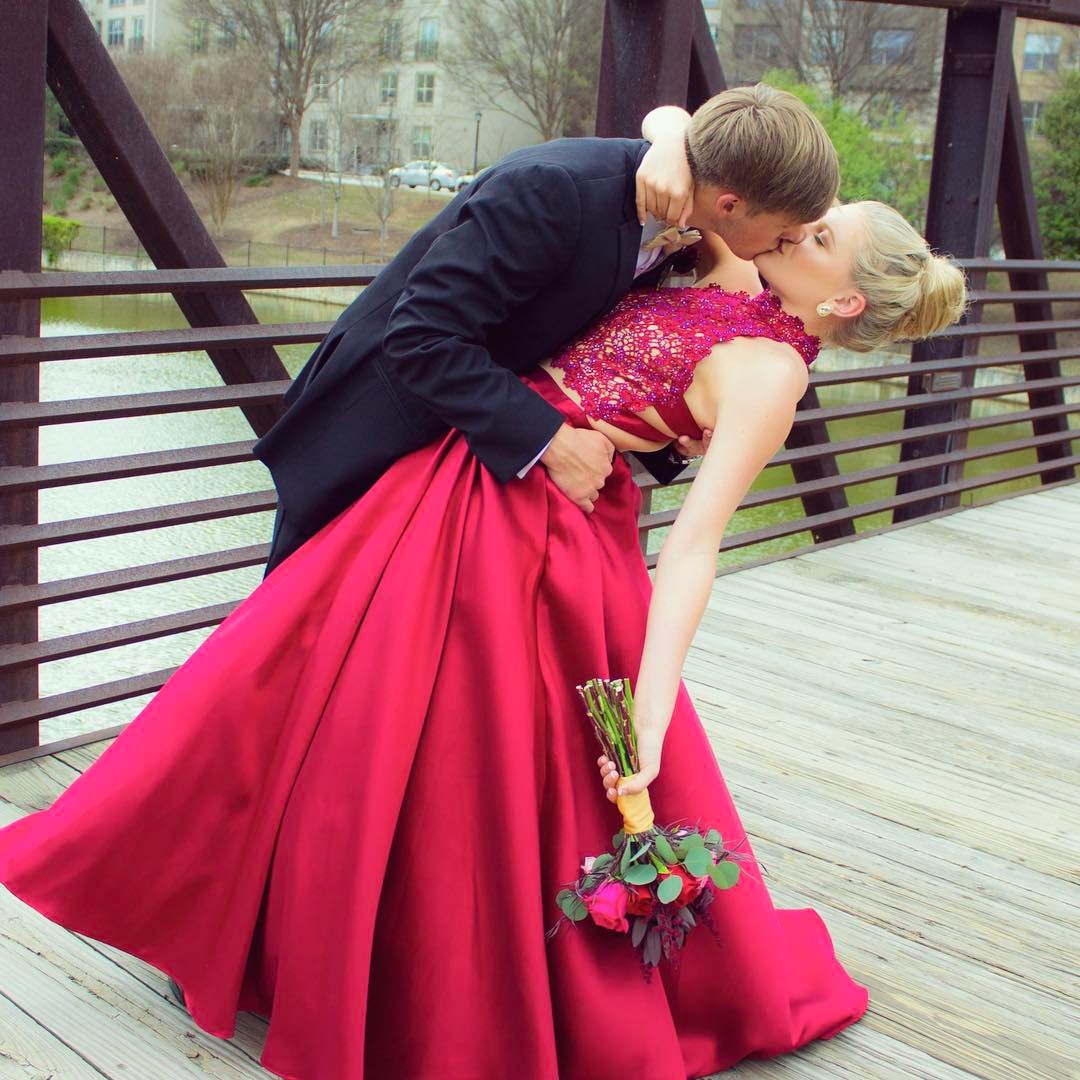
column 1032, row 112
column 421, row 142
column 200, row 31
column 116, row 3
column 891, row 47
column 390, row 47
column 227, row 36
column 826, row 44
column 1041, row 52
column 115, row 32
column 320, row 86
column 760, row 42
column 317, row 141
column 427, row 43
column 425, row 88
column 388, row 87
column 137, row 34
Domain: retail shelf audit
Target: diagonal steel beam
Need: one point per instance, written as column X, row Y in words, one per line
column 977, row 70
column 121, row 145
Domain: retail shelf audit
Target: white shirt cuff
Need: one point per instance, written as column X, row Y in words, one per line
column 522, row 472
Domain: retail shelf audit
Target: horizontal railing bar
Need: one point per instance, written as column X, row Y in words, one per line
column 16, row 285
column 115, row 406
column 987, row 296
column 1019, row 264
column 892, row 526
column 13, row 537
column 918, row 401
column 21, row 350
column 955, row 363
column 879, row 472
column 58, row 746
column 839, row 447
column 17, row 713
column 18, row 597
column 32, row 477
column 850, row 513
column 60, row 648
column 995, row 329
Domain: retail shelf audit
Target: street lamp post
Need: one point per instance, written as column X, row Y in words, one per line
column 476, row 143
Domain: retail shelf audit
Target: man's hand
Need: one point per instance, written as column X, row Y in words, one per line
column 689, row 448
column 665, row 187
column 578, row 460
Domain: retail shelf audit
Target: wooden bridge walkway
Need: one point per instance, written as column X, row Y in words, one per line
column 897, row 719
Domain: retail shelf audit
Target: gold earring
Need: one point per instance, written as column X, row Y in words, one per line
column 824, row 309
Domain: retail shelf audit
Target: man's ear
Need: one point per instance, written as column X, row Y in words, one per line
column 725, row 203
column 848, row 305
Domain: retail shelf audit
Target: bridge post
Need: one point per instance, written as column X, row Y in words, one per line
column 22, row 136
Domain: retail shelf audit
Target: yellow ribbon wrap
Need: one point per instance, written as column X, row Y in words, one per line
column 637, row 812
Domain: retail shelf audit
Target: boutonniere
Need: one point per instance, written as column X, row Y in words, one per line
column 673, row 238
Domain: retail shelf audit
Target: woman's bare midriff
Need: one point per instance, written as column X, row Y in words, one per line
column 622, row 440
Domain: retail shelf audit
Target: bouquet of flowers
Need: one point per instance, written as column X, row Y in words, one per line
column 656, row 884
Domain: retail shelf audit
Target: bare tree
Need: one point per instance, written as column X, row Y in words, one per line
column 300, row 45
column 540, row 55
column 230, row 113
column 157, row 80
column 858, row 52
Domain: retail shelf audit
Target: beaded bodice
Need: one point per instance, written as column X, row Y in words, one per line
column 644, row 351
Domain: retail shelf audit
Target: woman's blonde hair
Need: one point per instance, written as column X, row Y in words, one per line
column 910, row 292
column 765, row 145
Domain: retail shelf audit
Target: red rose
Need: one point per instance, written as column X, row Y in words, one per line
column 642, row 901
column 691, row 886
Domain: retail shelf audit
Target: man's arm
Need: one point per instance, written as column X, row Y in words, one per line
column 517, row 234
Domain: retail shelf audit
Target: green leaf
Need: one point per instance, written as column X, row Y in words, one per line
column 664, row 849
column 698, row 862
column 627, row 858
column 637, row 931
column 572, row 906
column 563, row 896
column 640, row 874
column 713, row 838
column 616, row 840
column 724, row 874
column 669, row 889
column 602, row 862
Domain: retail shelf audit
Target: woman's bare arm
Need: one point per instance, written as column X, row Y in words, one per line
column 665, row 187
column 756, row 386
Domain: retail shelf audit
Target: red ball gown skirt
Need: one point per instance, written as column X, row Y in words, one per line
column 351, row 809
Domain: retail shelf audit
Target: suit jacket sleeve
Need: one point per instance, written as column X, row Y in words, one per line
column 515, row 236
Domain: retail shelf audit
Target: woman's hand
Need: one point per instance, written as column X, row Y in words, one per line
column 650, row 745
column 665, row 187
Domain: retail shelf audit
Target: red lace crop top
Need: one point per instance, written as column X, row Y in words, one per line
column 644, row 351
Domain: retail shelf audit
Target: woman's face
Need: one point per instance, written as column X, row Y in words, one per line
column 818, row 268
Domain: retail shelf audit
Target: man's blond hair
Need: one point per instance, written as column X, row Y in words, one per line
column 767, row 147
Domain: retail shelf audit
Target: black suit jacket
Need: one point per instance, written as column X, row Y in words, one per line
column 509, row 271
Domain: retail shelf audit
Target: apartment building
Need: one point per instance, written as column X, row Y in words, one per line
column 136, row 25
column 1043, row 52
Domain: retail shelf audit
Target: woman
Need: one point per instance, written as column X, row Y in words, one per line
column 381, row 765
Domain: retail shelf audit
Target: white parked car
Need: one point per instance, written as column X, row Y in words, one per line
column 430, row 174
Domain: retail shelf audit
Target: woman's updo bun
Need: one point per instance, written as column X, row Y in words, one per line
column 910, row 292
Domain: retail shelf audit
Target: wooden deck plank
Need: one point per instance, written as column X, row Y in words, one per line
column 897, row 722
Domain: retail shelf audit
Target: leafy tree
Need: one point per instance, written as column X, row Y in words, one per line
column 881, row 163
column 1056, row 166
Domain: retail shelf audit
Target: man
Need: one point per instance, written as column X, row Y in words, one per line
column 514, row 267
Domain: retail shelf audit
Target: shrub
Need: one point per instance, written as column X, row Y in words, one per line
column 57, row 236
column 58, row 164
